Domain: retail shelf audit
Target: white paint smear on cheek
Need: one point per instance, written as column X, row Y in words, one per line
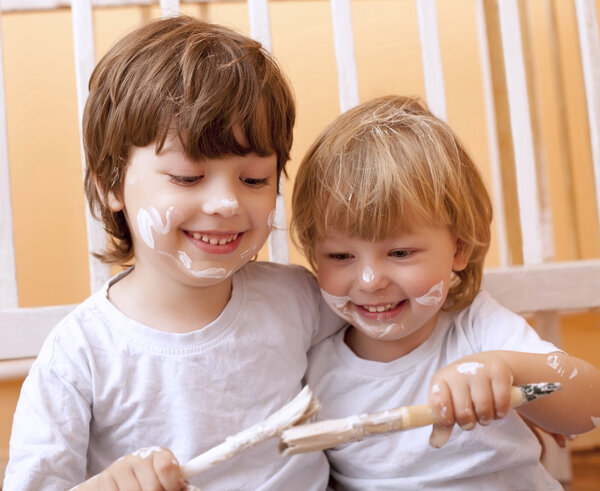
column 433, row 296
column 471, row 367
column 149, row 219
column 271, row 219
column 368, row 275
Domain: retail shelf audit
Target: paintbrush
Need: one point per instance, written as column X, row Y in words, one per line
column 330, row 433
column 299, row 409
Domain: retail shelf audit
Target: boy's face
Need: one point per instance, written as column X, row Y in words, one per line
column 200, row 221
column 392, row 290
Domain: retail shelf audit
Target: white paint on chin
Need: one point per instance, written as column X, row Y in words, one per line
column 343, row 307
column 213, row 273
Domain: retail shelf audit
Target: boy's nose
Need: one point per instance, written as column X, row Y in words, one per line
column 371, row 278
column 224, row 205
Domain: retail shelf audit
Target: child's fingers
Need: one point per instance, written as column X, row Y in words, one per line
column 168, row 471
column 440, row 403
column 464, row 413
column 482, row 398
column 439, row 435
column 501, row 388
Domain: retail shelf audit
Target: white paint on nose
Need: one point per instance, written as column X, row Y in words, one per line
column 368, row 275
column 224, row 206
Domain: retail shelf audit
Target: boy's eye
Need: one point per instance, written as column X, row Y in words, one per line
column 400, row 253
column 255, row 182
column 185, row 180
column 339, row 256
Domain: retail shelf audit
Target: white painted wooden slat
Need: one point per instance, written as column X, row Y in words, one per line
column 260, row 29
column 527, row 182
column 492, row 134
column 260, row 25
column 23, row 330
column 536, row 114
column 8, row 275
column 26, row 5
column 14, row 370
column 432, row 57
column 589, row 41
column 564, row 286
column 341, row 16
column 169, row 8
column 83, row 43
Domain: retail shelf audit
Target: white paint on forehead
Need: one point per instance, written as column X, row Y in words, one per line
column 433, row 296
column 470, row 367
column 368, row 275
column 149, row 219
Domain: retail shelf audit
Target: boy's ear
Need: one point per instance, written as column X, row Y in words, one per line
column 461, row 256
column 115, row 204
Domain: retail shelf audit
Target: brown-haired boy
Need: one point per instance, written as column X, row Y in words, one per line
column 187, row 129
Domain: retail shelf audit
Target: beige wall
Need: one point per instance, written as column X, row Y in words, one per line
column 44, row 147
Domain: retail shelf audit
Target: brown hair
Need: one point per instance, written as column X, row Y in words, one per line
column 391, row 163
column 219, row 91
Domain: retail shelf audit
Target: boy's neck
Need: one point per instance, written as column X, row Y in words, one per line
column 385, row 351
column 171, row 306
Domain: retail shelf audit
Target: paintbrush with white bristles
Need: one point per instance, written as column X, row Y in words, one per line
column 330, row 433
column 298, row 410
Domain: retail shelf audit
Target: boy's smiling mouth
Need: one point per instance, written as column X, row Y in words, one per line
column 216, row 242
column 380, row 311
column 214, row 239
column 380, row 308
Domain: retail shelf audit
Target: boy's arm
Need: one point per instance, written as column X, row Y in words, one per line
column 475, row 389
column 49, row 436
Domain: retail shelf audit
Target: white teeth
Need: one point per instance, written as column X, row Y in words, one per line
column 381, row 308
column 213, row 240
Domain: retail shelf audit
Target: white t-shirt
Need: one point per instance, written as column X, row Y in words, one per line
column 501, row 456
column 104, row 386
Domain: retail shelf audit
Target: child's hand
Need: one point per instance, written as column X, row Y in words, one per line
column 474, row 389
column 147, row 469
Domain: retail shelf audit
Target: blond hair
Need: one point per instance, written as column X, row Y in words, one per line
column 391, row 163
column 217, row 90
